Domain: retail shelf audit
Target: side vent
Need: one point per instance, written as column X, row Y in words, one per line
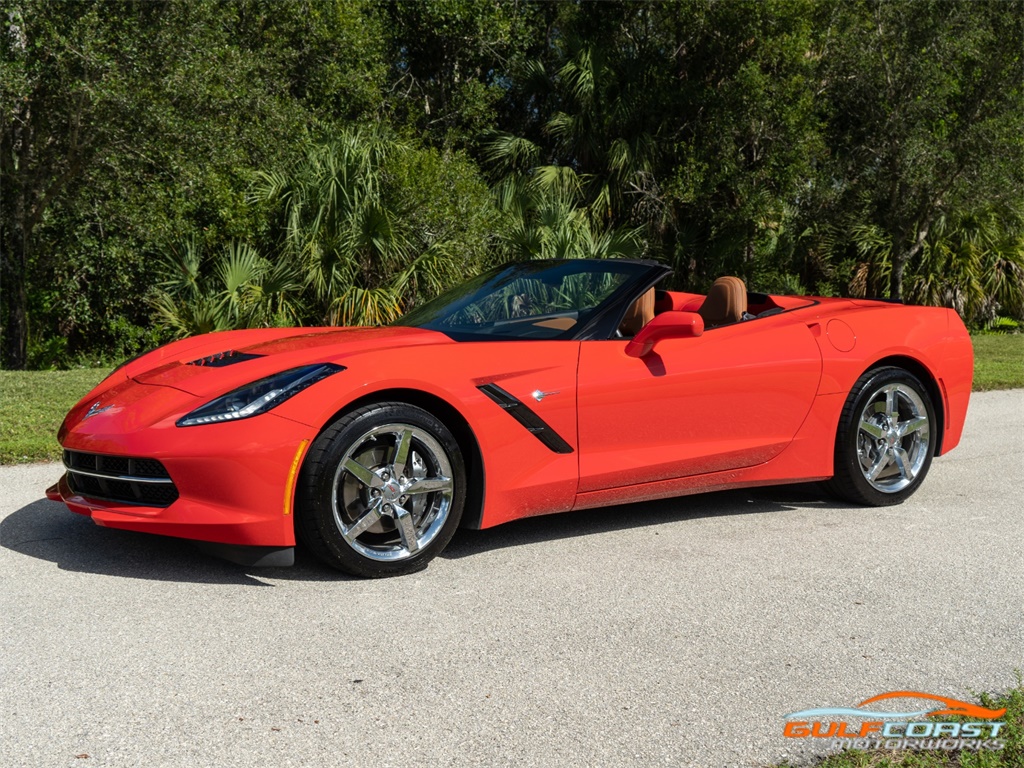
column 521, row 413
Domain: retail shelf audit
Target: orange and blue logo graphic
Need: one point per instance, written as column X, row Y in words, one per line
column 919, row 727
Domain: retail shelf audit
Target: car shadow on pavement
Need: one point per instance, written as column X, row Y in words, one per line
column 640, row 514
column 46, row 530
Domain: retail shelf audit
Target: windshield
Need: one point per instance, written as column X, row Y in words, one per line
column 530, row 300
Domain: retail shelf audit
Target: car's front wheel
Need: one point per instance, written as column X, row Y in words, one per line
column 381, row 491
column 886, row 438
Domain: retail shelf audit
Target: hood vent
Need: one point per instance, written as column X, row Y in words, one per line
column 222, row 359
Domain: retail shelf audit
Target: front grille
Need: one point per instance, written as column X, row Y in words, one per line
column 123, row 479
column 147, row 468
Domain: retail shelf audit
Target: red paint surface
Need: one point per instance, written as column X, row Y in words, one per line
column 756, row 403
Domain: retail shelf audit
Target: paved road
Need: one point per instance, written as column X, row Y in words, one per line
column 669, row 633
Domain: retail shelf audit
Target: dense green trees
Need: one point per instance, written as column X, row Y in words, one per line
column 924, row 115
column 362, row 227
column 127, row 127
column 172, row 166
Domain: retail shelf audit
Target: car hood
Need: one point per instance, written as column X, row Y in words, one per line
column 216, row 363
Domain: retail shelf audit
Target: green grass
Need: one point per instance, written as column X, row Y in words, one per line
column 998, row 360
column 32, row 406
column 33, row 403
column 1011, row 756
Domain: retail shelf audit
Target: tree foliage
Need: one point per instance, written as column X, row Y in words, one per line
column 362, row 227
column 130, row 126
column 172, row 166
column 925, row 117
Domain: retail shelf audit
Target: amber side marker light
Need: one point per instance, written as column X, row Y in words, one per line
column 289, row 486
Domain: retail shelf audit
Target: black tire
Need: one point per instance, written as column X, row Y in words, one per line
column 359, row 518
column 869, row 441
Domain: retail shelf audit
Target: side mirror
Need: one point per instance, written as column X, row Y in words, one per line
column 667, row 325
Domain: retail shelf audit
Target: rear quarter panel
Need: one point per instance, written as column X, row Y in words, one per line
column 861, row 335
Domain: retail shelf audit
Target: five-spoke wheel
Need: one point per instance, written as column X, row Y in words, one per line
column 885, row 441
column 382, row 490
column 392, row 492
column 893, row 443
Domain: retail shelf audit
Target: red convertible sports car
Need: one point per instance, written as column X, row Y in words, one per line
column 537, row 387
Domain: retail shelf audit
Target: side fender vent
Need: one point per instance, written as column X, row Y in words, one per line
column 534, row 424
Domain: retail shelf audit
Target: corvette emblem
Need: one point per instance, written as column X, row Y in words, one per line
column 95, row 409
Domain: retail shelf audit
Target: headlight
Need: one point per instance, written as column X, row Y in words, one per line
column 260, row 396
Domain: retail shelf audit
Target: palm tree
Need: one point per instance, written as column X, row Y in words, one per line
column 236, row 289
column 344, row 228
column 974, row 263
column 600, row 132
column 545, row 219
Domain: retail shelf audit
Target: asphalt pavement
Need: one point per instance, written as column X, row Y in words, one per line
column 674, row 633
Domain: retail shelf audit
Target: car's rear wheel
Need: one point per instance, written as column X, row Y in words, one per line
column 886, row 438
column 381, row 491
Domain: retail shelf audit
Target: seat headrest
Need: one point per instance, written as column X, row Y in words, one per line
column 639, row 314
column 726, row 302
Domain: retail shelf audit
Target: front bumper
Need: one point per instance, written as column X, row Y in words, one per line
column 235, row 481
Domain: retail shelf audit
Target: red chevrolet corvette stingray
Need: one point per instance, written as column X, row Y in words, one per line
column 537, row 387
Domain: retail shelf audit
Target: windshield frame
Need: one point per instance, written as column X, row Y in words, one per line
column 600, row 321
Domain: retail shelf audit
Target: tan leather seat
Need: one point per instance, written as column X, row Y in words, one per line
column 726, row 302
column 639, row 314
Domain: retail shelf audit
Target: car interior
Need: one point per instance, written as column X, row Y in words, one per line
column 726, row 303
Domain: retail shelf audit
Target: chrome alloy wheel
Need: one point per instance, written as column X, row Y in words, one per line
column 892, row 437
column 392, row 492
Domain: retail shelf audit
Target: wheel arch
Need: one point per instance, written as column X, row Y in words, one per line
column 453, row 419
column 922, row 372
